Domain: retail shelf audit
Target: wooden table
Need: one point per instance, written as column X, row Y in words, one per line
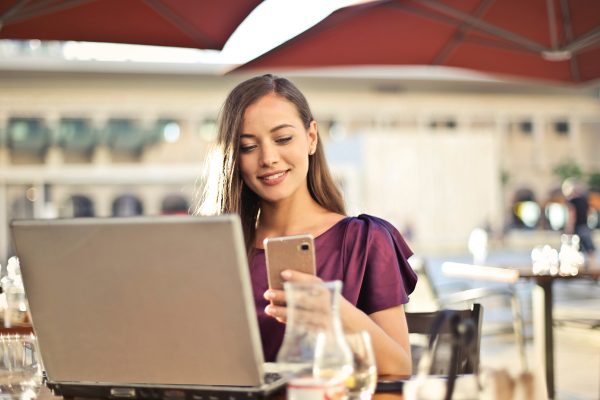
column 542, row 304
column 16, row 329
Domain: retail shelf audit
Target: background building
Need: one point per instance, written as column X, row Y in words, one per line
column 438, row 158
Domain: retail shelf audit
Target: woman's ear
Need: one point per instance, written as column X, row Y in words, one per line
column 313, row 137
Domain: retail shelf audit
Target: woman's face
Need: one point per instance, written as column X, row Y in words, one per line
column 274, row 148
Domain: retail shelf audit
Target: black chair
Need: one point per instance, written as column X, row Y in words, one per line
column 467, row 360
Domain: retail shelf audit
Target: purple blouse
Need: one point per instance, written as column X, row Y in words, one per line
column 366, row 253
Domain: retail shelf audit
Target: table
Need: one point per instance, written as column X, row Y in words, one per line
column 46, row 394
column 542, row 303
column 17, row 329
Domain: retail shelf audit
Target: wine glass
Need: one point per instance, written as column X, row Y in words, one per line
column 361, row 384
column 20, row 367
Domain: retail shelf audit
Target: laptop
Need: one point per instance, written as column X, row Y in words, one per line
column 144, row 307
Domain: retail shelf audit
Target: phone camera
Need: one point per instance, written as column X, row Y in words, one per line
column 304, row 246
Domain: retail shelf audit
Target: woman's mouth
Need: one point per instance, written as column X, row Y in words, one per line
column 274, row 179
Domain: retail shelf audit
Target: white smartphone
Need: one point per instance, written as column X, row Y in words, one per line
column 289, row 252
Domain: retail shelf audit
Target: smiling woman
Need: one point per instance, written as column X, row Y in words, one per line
column 272, row 171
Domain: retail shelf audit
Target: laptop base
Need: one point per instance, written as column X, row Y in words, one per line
column 174, row 392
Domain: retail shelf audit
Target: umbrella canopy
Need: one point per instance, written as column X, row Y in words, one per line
column 204, row 24
column 545, row 39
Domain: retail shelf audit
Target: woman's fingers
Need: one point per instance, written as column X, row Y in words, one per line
column 277, row 312
column 275, row 296
column 312, row 303
column 290, row 275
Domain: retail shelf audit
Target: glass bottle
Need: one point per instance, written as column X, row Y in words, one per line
column 314, row 339
column 12, row 287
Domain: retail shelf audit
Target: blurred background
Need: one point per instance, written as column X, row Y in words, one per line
column 438, row 153
column 458, row 121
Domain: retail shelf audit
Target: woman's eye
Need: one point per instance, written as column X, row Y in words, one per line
column 247, row 148
column 283, row 140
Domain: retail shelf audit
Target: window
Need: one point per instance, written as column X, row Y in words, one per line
column 175, row 204
column 125, row 136
column 78, row 206
column 76, row 135
column 561, row 128
column 27, row 135
column 167, row 130
column 127, row 205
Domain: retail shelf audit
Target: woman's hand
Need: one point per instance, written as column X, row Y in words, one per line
column 278, row 309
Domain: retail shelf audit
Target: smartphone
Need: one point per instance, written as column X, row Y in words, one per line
column 289, row 252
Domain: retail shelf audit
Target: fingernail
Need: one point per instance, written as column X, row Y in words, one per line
column 268, row 309
column 269, row 295
column 287, row 274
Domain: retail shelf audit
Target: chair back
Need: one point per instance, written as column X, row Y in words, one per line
column 467, row 359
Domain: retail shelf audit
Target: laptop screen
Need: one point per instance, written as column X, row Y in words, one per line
column 152, row 300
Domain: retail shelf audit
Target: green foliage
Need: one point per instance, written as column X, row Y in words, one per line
column 594, row 181
column 567, row 169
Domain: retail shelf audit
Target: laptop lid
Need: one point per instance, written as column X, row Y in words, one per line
column 152, row 300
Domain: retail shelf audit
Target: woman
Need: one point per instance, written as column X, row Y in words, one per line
column 273, row 173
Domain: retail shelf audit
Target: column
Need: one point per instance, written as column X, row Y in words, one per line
column 539, row 132
column 502, row 125
column 575, row 140
column 54, row 155
column 101, row 154
column 4, row 234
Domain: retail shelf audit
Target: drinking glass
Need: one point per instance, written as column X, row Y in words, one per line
column 20, row 367
column 361, row 384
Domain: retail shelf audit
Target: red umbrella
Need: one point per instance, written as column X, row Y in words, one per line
column 547, row 39
column 205, row 24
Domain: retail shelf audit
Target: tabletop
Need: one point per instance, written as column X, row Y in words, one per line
column 46, row 394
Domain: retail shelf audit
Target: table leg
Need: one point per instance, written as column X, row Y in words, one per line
column 542, row 330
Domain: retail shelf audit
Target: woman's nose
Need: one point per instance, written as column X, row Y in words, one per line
column 268, row 156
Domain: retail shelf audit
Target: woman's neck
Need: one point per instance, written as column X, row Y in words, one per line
column 289, row 217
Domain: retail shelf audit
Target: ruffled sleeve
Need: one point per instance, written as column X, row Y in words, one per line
column 377, row 274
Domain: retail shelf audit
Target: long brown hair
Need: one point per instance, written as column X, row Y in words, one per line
column 225, row 190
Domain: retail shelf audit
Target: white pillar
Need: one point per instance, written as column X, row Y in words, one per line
column 575, row 139
column 54, row 154
column 539, row 133
column 4, row 151
column 4, row 238
column 501, row 130
column 39, row 202
column 101, row 153
column 423, row 121
column 103, row 198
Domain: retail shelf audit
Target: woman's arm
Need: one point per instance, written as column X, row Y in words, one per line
column 389, row 334
column 387, row 328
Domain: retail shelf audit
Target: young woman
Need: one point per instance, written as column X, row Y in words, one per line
column 274, row 175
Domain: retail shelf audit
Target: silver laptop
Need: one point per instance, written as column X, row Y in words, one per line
column 145, row 307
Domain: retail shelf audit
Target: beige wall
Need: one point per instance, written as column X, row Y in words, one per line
column 441, row 181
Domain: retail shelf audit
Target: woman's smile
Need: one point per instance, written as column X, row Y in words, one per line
column 273, row 178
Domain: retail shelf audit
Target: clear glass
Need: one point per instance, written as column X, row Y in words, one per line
column 313, row 335
column 545, row 260
column 569, row 256
column 15, row 308
column 20, row 367
column 361, row 384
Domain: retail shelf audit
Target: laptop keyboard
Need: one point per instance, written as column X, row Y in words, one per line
column 271, row 377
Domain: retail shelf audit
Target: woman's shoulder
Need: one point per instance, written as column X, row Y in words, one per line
column 368, row 230
column 371, row 224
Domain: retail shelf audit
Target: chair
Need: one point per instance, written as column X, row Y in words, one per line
column 467, row 362
column 427, row 298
